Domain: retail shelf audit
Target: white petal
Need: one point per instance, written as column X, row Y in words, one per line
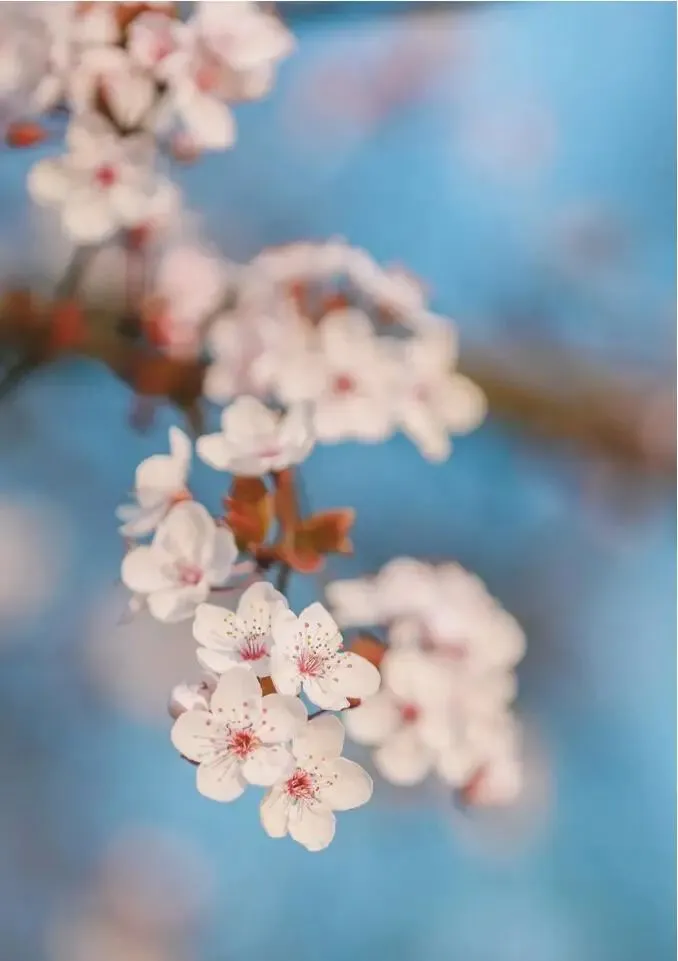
column 248, row 417
column 281, row 718
column 257, row 604
column 217, row 628
column 49, row 181
column 212, row 449
column 207, row 121
column 194, row 734
column 373, row 720
column 353, row 676
column 323, row 736
column 237, row 697
column 220, row 779
column 217, row 661
column 267, row 765
column 311, row 825
column 403, row 759
column 158, row 476
column 456, row 764
column 177, row 603
column 424, row 428
column 274, row 812
column 130, row 95
column 187, row 533
column 223, row 558
column 287, row 632
column 319, row 627
column 354, row 603
column 140, row 520
column 462, row 403
column 180, row 445
column 349, row 785
column 284, row 674
column 324, row 694
column 141, row 571
column 88, row 216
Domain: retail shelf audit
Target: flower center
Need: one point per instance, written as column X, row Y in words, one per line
column 207, row 76
column 301, row 786
column 189, row 574
column 343, row 384
column 309, row 664
column 106, row 175
column 409, row 713
column 162, row 48
column 242, row 743
column 254, row 648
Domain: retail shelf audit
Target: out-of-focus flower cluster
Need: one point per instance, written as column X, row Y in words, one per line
column 448, row 678
column 137, row 82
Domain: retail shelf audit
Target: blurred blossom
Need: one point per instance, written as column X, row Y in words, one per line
column 35, row 553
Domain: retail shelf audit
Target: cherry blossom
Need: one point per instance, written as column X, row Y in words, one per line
column 160, row 483
column 240, row 739
column 242, row 637
column 103, row 183
column 302, row 804
column 347, row 377
column 430, row 400
column 188, row 287
column 255, row 440
column 422, row 720
column 307, row 655
column 191, row 697
column 189, row 554
column 129, row 91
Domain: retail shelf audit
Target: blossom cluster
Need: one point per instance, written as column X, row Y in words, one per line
column 448, row 678
column 136, row 81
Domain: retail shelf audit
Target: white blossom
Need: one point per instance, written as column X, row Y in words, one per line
column 432, row 401
column 303, row 803
column 255, row 440
column 189, row 554
column 191, row 697
column 159, row 483
column 103, row 183
column 240, row 739
column 129, row 91
column 240, row 638
column 307, row 655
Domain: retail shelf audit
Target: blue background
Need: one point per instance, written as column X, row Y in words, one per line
column 589, row 873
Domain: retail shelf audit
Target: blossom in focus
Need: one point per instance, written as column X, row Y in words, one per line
column 307, row 655
column 431, row 400
column 241, row 638
column 255, row 440
column 303, row 803
column 240, row 739
column 159, row 483
column 189, row 554
column 103, row 183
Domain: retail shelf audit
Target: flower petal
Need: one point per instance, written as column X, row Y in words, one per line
column 194, row 735
column 88, row 217
column 311, row 825
column 49, row 181
column 220, row 779
column 177, row 603
column 323, row 736
column 217, row 661
column 207, row 121
column 217, row 628
column 274, row 812
column 319, row 627
column 212, row 449
column 403, row 759
column 139, row 520
column 353, row 676
column 180, row 445
column 141, row 571
column 267, row 765
column 237, row 697
column 324, row 694
column 257, row 605
column 281, row 718
column 373, row 720
column 223, row 558
column 348, row 785
column 187, row 533
column 287, row 633
column 284, row 674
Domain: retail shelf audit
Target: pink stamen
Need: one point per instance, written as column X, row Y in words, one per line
column 309, row 664
column 343, row 384
column 253, row 649
column 106, row 175
column 189, row 574
column 300, row 786
column 242, row 743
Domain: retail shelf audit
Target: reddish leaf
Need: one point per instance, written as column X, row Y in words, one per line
column 67, row 330
column 369, row 647
column 316, row 536
column 25, row 134
column 249, row 511
column 286, row 508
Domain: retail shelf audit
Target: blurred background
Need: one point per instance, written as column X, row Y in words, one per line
column 520, row 159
